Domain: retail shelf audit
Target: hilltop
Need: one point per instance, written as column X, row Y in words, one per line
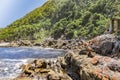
column 68, row 18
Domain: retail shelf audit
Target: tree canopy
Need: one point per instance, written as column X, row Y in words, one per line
column 71, row 18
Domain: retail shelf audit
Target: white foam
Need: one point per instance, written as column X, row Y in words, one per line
column 10, row 67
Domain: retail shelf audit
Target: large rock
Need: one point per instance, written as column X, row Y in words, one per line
column 107, row 45
column 96, row 68
column 43, row 69
column 24, row 43
column 85, row 60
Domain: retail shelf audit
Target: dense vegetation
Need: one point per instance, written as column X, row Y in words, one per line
column 71, row 18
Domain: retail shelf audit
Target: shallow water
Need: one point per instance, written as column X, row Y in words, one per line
column 12, row 58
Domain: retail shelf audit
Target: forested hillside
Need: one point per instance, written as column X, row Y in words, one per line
column 71, row 18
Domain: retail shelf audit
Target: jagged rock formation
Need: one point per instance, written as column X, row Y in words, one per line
column 107, row 44
column 62, row 44
column 20, row 43
column 43, row 70
column 95, row 68
column 96, row 59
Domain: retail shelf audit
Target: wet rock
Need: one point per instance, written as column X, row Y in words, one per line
column 48, row 70
column 40, row 63
column 27, row 70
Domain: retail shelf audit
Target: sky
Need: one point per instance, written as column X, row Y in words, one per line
column 11, row 10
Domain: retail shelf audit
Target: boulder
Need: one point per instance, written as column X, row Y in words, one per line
column 107, row 45
column 43, row 69
column 27, row 70
column 92, row 68
column 40, row 63
column 25, row 43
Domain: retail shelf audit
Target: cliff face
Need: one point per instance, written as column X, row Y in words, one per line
column 71, row 18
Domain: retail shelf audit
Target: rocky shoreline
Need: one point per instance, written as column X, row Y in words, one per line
column 41, row 69
column 95, row 59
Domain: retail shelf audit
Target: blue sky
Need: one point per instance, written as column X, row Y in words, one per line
column 10, row 10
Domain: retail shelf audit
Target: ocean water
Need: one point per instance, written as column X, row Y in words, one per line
column 12, row 58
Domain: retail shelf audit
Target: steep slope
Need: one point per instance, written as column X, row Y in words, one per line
column 71, row 18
